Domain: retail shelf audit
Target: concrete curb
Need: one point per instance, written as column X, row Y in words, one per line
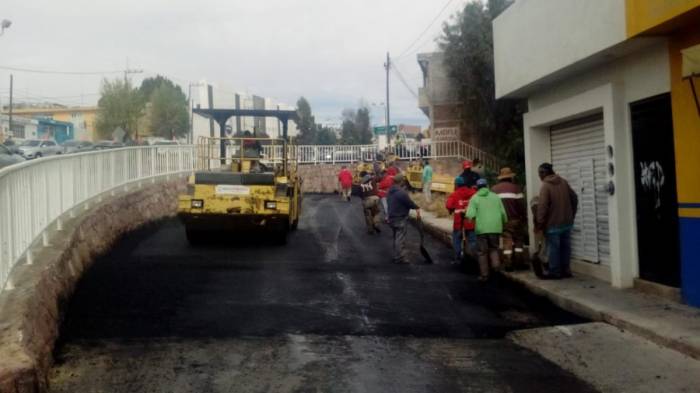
column 659, row 320
column 681, row 337
column 33, row 310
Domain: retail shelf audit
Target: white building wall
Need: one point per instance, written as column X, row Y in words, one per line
column 292, row 129
column 608, row 89
column 225, row 98
column 200, row 98
column 247, row 123
column 535, row 38
column 30, row 127
column 272, row 126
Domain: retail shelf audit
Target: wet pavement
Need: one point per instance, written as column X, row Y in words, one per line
column 328, row 312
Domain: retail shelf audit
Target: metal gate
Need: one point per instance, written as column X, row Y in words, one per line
column 578, row 155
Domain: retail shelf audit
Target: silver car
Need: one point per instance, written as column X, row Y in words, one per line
column 7, row 157
column 35, row 148
column 77, row 146
column 105, row 145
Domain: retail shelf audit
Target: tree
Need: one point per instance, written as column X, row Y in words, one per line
column 356, row 128
column 120, row 106
column 167, row 113
column 468, row 46
column 169, row 117
column 325, row 136
column 149, row 85
column 306, row 123
column 363, row 129
column 348, row 136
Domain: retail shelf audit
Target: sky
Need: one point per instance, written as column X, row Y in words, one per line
column 330, row 51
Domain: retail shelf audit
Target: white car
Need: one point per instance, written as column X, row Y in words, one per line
column 36, row 148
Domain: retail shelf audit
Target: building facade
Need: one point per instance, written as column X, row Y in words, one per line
column 439, row 100
column 611, row 107
column 82, row 118
column 205, row 95
column 22, row 127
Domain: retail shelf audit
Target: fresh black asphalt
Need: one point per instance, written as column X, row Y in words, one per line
column 327, row 312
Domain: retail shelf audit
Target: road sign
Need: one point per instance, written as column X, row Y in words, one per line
column 381, row 130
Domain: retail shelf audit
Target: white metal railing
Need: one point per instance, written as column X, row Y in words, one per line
column 35, row 195
column 331, row 154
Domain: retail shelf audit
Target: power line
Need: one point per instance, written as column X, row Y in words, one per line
column 426, row 29
column 34, row 71
column 403, row 81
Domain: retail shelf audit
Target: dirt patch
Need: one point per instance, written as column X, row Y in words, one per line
column 435, row 206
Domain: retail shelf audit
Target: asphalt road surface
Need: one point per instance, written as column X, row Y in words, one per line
column 328, row 312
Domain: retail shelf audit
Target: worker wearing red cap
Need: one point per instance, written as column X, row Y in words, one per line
column 470, row 177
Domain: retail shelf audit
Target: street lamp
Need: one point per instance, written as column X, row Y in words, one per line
column 4, row 25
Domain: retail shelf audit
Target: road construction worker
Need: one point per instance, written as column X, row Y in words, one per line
column 345, row 182
column 392, row 170
column 427, row 179
column 487, row 210
column 370, row 201
column 457, row 204
column 470, row 177
column 385, row 184
column 556, row 212
column 514, row 202
column 400, row 204
column 251, row 147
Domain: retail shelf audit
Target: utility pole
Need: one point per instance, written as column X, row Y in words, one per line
column 387, row 66
column 190, row 134
column 10, row 117
column 131, row 71
column 128, row 71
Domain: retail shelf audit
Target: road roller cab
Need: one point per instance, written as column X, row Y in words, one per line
column 243, row 185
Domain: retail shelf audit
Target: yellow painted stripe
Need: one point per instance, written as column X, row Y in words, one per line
column 689, row 213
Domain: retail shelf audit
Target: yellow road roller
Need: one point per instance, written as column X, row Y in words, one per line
column 243, row 185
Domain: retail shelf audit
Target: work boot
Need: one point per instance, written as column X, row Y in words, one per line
column 508, row 261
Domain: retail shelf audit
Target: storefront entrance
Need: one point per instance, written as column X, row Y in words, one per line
column 655, row 186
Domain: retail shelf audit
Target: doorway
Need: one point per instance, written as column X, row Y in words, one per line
column 655, row 186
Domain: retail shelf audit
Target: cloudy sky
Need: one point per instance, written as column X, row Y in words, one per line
column 330, row 51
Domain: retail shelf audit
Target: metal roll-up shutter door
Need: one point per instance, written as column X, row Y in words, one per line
column 578, row 155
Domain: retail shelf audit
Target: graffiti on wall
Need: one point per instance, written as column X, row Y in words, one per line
column 653, row 180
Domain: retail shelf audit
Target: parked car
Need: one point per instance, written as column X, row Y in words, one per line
column 36, row 148
column 77, row 146
column 7, row 157
column 13, row 144
column 104, row 145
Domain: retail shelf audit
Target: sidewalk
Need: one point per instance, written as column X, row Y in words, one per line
column 662, row 321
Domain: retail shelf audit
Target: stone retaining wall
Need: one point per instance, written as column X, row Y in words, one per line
column 323, row 178
column 31, row 313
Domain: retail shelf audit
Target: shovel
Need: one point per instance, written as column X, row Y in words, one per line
column 423, row 251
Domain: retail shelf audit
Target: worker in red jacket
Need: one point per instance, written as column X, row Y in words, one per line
column 457, row 204
column 385, row 184
column 345, row 181
column 392, row 170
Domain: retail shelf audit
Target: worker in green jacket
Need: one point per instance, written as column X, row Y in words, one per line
column 487, row 210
